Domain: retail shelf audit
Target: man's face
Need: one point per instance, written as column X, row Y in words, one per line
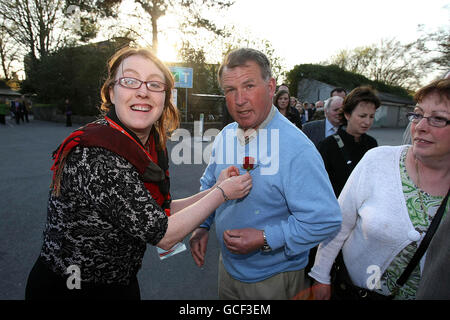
column 248, row 95
column 333, row 111
column 339, row 94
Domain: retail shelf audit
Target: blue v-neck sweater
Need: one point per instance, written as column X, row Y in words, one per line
column 291, row 198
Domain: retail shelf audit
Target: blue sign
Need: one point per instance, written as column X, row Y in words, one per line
column 183, row 76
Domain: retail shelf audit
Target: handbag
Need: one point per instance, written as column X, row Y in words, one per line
column 344, row 289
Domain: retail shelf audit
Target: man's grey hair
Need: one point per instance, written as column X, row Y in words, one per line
column 239, row 57
column 330, row 100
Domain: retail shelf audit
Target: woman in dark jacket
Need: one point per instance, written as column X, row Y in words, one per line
column 342, row 151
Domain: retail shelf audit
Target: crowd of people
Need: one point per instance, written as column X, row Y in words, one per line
column 17, row 108
column 307, row 111
column 287, row 195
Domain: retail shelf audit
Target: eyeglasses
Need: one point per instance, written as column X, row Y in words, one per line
column 132, row 83
column 438, row 122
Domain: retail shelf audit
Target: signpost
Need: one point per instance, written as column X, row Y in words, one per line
column 183, row 79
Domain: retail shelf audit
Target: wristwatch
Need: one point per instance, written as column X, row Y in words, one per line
column 265, row 247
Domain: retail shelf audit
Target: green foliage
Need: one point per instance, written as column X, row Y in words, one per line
column 3, row 84
column 76, row 73
column 338, row 77
column 44, row 105
column 205, row 75
column 435, row 46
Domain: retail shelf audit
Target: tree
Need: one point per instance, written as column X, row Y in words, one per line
column 33, row 24
column 435, row 45
column 204, row 73
column 246, row 39
column 336, row 76
column 216, row 47
column 389, row 61
column 87, row 14
column 192, row 12
column 9, row 52
column 76, row 73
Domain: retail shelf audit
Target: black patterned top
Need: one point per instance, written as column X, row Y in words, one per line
column 102, row 219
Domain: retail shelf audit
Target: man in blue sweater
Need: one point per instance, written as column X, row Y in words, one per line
column 265, row 237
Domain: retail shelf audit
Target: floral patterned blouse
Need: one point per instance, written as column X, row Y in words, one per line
column 421, row 221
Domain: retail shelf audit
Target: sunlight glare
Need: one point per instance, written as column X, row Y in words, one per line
column 167, row 51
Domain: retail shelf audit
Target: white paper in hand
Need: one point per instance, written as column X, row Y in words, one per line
column 163, row 254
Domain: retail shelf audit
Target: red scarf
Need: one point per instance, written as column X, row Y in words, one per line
column 118, row 140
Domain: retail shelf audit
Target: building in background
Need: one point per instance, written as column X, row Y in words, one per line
column 390, row 114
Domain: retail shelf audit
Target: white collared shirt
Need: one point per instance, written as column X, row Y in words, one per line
column 251, row 133
column 329, row 128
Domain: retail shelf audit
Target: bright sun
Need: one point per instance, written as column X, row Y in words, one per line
column 167, row 51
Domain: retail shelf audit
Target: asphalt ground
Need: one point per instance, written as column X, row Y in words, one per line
column 25, row 161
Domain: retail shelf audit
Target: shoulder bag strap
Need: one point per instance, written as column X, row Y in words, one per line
column 341, row 146
column 423, row 245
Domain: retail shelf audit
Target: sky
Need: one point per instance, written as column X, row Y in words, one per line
column 313, row 30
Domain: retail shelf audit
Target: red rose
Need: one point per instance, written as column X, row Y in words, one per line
column 249, row 163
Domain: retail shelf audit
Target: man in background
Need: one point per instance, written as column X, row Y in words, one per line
column 318, row 130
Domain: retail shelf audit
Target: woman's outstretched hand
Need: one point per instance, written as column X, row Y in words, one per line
column 236, row 186
column 231, row 171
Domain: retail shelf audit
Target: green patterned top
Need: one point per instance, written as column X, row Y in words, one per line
column 421, row 221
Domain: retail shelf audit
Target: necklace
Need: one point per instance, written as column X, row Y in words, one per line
column 418, row 186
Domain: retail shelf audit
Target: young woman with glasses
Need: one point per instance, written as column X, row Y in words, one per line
column 110, row 191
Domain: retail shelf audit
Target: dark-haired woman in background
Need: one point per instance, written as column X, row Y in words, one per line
column 342, row 151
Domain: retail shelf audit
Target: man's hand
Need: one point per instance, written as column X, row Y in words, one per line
column 243, row 241
column 198, row 244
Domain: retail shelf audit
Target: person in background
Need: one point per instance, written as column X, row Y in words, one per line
column 318, row 130
column 4, row 110
column 281, row 102
column 338, row 91
column 319, row 105
column 110, row 189
column 388, row 204
column 292, row 102
column 15, row 106
column 319, row 114
column 283, row 87
column 68, row 107
column 305, row 112
column 24, row 109
column 312, row 111
column 265, row 237
column 342, row 151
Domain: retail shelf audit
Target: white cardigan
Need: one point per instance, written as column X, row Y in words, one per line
column 375, row 221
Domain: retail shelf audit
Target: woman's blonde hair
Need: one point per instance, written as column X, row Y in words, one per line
column 169, row 119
